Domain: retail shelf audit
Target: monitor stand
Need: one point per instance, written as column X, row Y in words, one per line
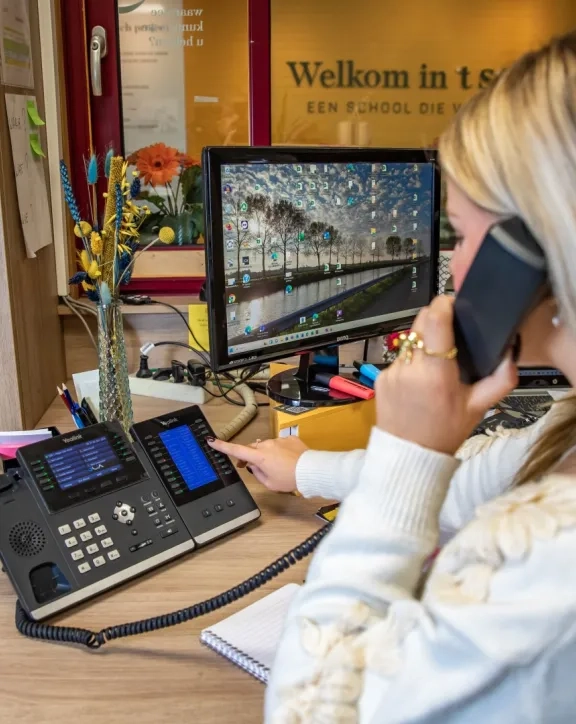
column 296, row 386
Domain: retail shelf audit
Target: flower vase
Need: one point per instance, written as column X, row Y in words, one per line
column 115, row 400
column 182, row 226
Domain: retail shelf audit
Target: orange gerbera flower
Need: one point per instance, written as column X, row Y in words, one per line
column 158, row 164
column 187, row 161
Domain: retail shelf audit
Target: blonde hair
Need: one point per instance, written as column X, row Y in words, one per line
column 512, row 150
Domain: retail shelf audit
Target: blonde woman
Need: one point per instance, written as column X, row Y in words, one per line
column 490, row 636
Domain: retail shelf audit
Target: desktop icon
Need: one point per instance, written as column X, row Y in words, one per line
column 298, row 169
column 338, row 282
column 339, row 314
column 299, row 203
column 373, row 199
column 372, row 231
column 288, row 274
column 230, row 263
column 326, row 236
column 314, row 317
column 338, row 267
column 414, row 284
column 228, row 227
column 373, row 245
column 248, row 330
column 246, row 279
column 302, row 320
column 244, row 225
column 233, row 315
column 312, row 168
column 257, row 187
column 374, row 183
column 232, row 282
column 338, row 201
column 245, row 260
column 288, row 255
column 351, row 167
column 326, row 267
column 227, row 170
column 312, row 185
column 374, row 168
column 414, row 271
column 350, row 201
column 258, row 241
column 231, row 298
column 373, row 214
column 262, row 329
column 229, row 244
column 301, row 236
column 350, row 184
column 289, row 289
column 414, row 227
column 274, row 256
column 312, row 204
column 243, row 206
column 227, row 189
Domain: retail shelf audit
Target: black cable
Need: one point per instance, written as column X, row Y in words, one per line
column 94, row 640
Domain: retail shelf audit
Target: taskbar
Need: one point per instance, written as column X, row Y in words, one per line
column 338, row 327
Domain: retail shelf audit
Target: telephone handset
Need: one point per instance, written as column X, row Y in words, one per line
column 506, row 280
column 89, row 510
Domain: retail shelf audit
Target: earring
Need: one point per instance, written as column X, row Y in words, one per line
column 556, row 321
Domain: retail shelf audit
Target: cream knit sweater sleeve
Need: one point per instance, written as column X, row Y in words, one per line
column 491, row 640
column 488, row 467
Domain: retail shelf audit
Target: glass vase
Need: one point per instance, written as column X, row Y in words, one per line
column 115, row 400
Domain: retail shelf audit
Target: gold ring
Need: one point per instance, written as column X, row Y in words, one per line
column 451, row 354
column 407, row 343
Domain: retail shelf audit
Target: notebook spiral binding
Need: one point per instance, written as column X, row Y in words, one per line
column 245, row 662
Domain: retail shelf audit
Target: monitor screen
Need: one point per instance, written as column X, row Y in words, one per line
column 314, row 251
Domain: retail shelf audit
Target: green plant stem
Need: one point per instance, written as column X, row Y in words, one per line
column 161, row 206
column 169, row 191
column 178, row 211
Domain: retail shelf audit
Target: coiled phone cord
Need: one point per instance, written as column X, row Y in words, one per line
column 94, row 640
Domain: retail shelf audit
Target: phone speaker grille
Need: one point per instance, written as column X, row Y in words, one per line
column 27, row 539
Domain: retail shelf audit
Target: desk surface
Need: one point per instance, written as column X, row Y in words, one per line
column 166, row 675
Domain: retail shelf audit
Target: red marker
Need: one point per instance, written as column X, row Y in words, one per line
column 354, row 389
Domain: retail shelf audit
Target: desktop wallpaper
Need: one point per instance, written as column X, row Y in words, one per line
column 312, row 247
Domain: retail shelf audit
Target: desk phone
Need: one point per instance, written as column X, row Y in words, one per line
column 89, row 510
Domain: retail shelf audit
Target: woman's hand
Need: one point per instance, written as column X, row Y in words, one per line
column 272, row 462
column 424, row 401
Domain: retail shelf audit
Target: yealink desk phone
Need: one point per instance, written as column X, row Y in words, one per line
column 89, row 510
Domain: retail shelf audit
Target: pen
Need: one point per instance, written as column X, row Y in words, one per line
column 354, row 389
column 64, row 400
column 367, row 370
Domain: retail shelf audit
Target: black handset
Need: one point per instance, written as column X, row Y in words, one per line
column 506, row 280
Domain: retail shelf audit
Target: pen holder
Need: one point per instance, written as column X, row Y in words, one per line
column 114, row 382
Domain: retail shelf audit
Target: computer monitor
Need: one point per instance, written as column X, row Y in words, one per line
column 313, row 247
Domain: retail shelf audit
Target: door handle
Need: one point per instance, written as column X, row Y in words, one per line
column 98, row 50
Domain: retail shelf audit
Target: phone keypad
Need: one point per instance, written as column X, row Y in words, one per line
column 92, row 549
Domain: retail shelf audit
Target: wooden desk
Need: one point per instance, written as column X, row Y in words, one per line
column 166, row 675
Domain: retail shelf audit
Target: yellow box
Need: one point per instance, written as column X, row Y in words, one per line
column 337, row 427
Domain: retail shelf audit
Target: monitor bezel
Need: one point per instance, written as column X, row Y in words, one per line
column 213, row 158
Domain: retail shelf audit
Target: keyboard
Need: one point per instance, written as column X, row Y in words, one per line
column 535, row 404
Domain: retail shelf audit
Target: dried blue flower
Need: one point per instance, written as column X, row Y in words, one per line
column 69, row 193
column 135, row 187
column 78, row 278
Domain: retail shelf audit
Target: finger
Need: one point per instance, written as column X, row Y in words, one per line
column 437, row 330
column 486, row 393
column 259, row 474
column 242, row 452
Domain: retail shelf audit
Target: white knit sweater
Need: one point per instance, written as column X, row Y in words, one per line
column 492, row 637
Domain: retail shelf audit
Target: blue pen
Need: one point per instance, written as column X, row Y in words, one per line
column 367, row 370
column 77, row 420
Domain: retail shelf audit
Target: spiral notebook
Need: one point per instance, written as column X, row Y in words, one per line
column 251, row 637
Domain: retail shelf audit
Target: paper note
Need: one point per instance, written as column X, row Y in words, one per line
column 198, row 321
column 15, row 47
column 30, row 174
column 36, row 146
column 33, row 114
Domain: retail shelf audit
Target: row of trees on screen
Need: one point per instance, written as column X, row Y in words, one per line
column 281, row 227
